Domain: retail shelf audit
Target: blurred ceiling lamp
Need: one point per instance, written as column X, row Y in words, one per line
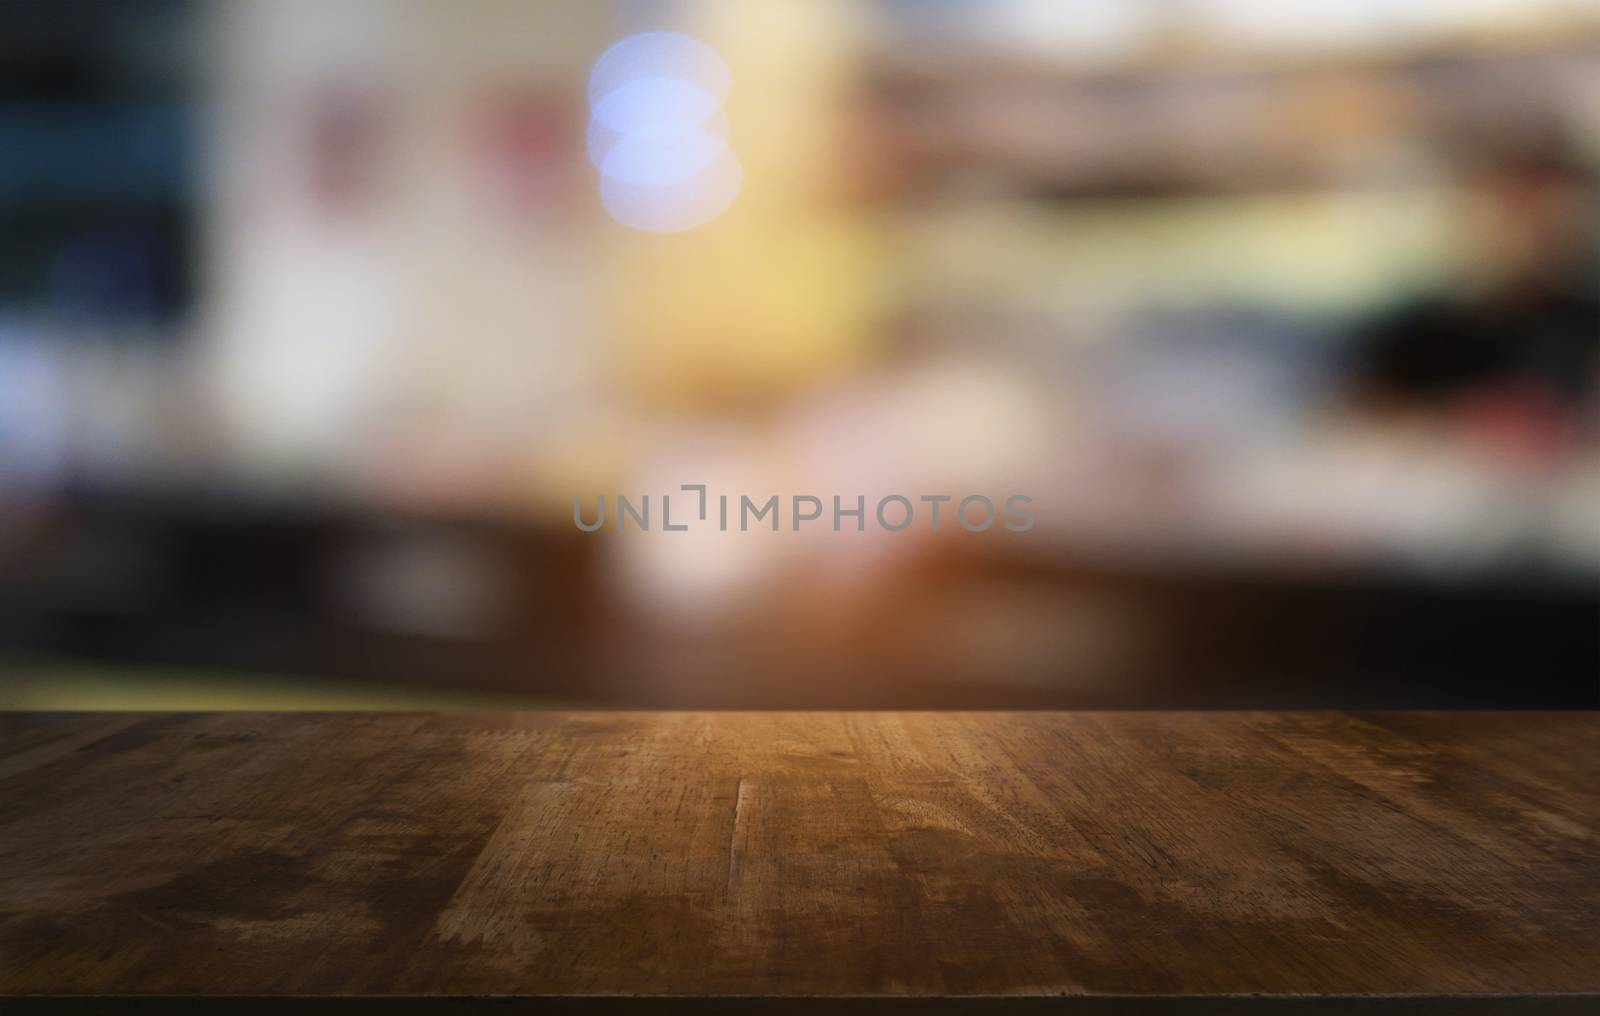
column 779, row 292
column 657, row 133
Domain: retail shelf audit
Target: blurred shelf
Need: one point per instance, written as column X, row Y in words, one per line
column 1187, row 62
column 1218, row 125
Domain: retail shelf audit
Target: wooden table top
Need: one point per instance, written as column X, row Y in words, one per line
column 915, row 855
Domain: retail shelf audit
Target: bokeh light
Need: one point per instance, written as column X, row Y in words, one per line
column 658, row 135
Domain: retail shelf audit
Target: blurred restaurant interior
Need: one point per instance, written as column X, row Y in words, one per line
column 1286, row 316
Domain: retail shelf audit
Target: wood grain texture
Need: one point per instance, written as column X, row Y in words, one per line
column 804, row 854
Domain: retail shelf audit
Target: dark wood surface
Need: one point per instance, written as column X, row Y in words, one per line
column 1059, row 855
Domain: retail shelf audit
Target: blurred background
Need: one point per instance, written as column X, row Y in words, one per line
column 1286, row 315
